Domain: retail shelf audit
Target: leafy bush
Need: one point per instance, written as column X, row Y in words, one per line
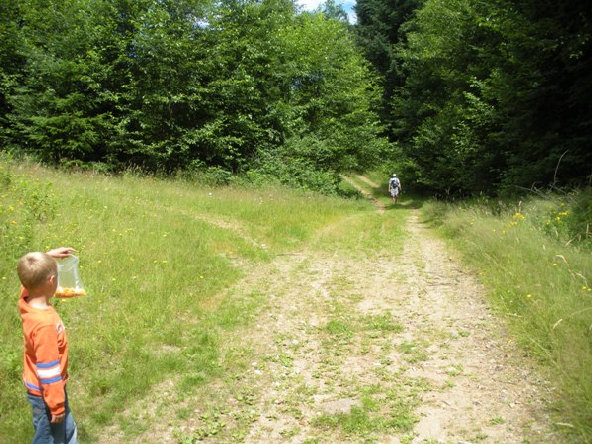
column 290, row 166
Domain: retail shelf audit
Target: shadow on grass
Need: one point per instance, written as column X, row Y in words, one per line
column 406, row 203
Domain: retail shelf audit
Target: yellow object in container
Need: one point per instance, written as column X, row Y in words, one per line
column 69, row 282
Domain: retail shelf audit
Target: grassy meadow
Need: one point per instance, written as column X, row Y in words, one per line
column 535, row 258
column 155, row 255
column 158, row 256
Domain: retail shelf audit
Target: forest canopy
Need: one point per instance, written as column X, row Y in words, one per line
column 458, row 96
column 237, row 86
column 484, row 96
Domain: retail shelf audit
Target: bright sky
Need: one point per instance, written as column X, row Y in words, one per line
column 348, row 5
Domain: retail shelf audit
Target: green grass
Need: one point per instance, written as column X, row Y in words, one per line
column 393, row 412
column 539, row 276
column 156, row 258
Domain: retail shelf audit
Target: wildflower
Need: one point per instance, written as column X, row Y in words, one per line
column 519, row 216
column 528, row 296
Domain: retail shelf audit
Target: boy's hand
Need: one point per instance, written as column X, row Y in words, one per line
column 56, row 419
column 62, row 252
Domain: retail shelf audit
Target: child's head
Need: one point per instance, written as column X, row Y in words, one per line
column 36, row 270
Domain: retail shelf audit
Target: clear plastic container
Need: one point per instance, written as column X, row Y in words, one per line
column 69, row 282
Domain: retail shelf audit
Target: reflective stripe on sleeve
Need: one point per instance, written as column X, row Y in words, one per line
column 49, row 381
column 47, row 364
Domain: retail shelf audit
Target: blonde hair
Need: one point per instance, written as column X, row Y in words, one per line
column 35, row 268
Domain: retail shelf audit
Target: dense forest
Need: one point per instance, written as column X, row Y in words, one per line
column 484, row 95
column 460, row 96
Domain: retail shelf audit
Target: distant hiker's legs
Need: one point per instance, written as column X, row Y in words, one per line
column 395, row 194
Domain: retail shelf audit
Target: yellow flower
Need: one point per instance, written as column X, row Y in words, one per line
column 529, row 295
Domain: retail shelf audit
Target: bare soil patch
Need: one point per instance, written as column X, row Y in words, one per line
column 382, row 348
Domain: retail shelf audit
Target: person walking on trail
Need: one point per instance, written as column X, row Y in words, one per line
column 395, row 188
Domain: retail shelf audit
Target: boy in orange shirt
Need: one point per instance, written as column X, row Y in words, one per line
column 45, row 349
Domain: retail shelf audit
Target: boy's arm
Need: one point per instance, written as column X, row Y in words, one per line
column 60, row 253
column 49, row 370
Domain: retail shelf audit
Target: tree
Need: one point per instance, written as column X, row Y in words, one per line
column 379, row 29
column 185, row 84
column 494, row 95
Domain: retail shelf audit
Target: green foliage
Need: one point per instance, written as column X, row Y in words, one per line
column 490, row 95
column 379, row 31
column 166, row 86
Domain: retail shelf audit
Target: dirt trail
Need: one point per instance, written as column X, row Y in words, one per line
column 380, row 207
column 450, row 367
column 368, row 348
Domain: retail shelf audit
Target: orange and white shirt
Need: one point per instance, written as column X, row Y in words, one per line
column 45, row 354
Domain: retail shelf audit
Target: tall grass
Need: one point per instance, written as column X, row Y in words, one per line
column 156, row 256
column 540, row 277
